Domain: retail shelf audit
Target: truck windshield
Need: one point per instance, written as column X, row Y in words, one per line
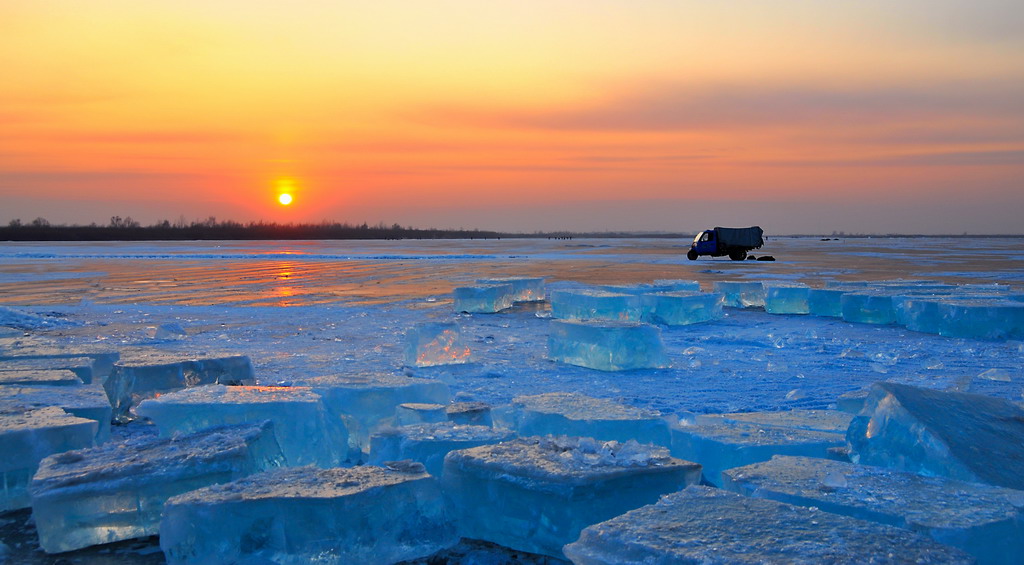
column 696, row 238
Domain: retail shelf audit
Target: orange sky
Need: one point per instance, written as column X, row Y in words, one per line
column 798, row 115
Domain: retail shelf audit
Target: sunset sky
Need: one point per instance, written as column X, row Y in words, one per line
column 802, row 116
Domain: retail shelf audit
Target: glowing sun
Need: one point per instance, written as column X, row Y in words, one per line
column 284, row 198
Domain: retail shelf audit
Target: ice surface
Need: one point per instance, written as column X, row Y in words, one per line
column 948, row 434
column 82, row 367
column 825, row 301
column 83, row 401
column 366, row 515
column 707, row 525
column 983, row 520
column 367, row 402
column 680, row 308
column 136, row 378
column 470, row 413
column 524, row 289
column 429, row 344
column 301, row 425
column 606, row 345
column 419, row 413
column 571, row 414
column 741, row 294
column 982, row 319
column 484, row 299
column 45, row 377
column 26, row 438
column 719, row 443
column 116, row 492
column 786, row 298
column 429, row 443
column 549, row 489
column 593, row 304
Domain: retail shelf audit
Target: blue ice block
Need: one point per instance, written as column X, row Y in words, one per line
column 483, row 299
column 868, row 307
column 592, row 304
column 366, row 515
column 982, row 319
column 409, row 413
column 429, row 443
column 786, row 298
column 678, row 284
column 969, row 437
column 679, row 308
column 83, row 401
column 607, row 346
column 982, row 520
column 116, row 492
column 524, row 289
column 572, row 414
column 832, row 421
column 536, row 495
column 707, row 525
column 825, row 301
column 429, row 344
column 741, row 294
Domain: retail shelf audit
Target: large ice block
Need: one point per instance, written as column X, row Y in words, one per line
column 301, row 425
column 411, row 413
column 28, row 437
column 983, row 520
column 365, row 515
column 679, row 308
column 142, row 376
column 707, row 525
column 83, row 401
column 435, row 343
column 39, row 377
column 102, row 362
column 947, row 434
column 116, row 492
column 429, row 443
column 786, row 298
column 82, row 367
column 607, row 346
column 982, row 319
column 470, row 413
column 719, row 443
column 833, row 421
column 741, row 294
column 524, row 289
column 868, row 307
column 537, row 494
column 483, row 299
column 572, row 414
column 593, row 304
column 825, row 301
column 365, row 403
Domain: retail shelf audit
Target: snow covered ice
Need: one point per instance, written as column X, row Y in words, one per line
column 549, row 489
column 117, row 491
column 429, row 443
column 82, row 367
column 707, row 525
column 574, row 414
column 985, row 521
column 368, row 515
column 483, row 299
column 88, row 402
column 680, row 308
column 50, row 377
column 607, row 345
column 470, row 413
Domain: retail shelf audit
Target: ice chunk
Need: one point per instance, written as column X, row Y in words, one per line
column 367, row 402
column 170, row 331
column 82, row 367
column 852, row 402
column 825, row 301
column 868, row 307
column 303, row 430
column 983, row 520
column 948, row 434
column 485, row 299
column 537, row 494
column 420, row 413
column 719, row 443
column 680, row 308
column 102, row 361
column 45, row 377
column 592, row 304
column 146, row 375
column 429, row 443
column 470, row 413
column 366, row 515
column 832, row 421
column 435, row 343
column 982, row 319
column 83, row 401
column 571, row 414
column 524, row 289
column 28, row 437
column 706, row 525
column 741, row 294
column 607, row 346
column 786, row 298
column 116, row 492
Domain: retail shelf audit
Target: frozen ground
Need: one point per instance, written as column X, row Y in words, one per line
column 302, row 309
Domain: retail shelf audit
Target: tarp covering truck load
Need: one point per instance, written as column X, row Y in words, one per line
column 734, row 242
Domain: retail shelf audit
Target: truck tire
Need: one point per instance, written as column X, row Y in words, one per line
column 737, row 255
column 691, row 255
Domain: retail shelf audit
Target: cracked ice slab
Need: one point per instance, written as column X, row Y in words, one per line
column 367, row 515
column 83, row 401
column 303, row 430
column 707, row 525
column 116, row 492
column 983, row 520
column 606, row 345
column 26, row 438
column 429, row 443
column 536, row 494
column 571, row 414
column 963, row 436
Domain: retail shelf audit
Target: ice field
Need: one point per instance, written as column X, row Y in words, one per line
column 311, row 315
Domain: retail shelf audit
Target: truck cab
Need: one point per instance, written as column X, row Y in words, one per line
column 719, row 241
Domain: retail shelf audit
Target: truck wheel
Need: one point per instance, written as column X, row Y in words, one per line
column 691, row 255
column 738, row 255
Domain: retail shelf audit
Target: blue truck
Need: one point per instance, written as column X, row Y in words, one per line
column 734, row 242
